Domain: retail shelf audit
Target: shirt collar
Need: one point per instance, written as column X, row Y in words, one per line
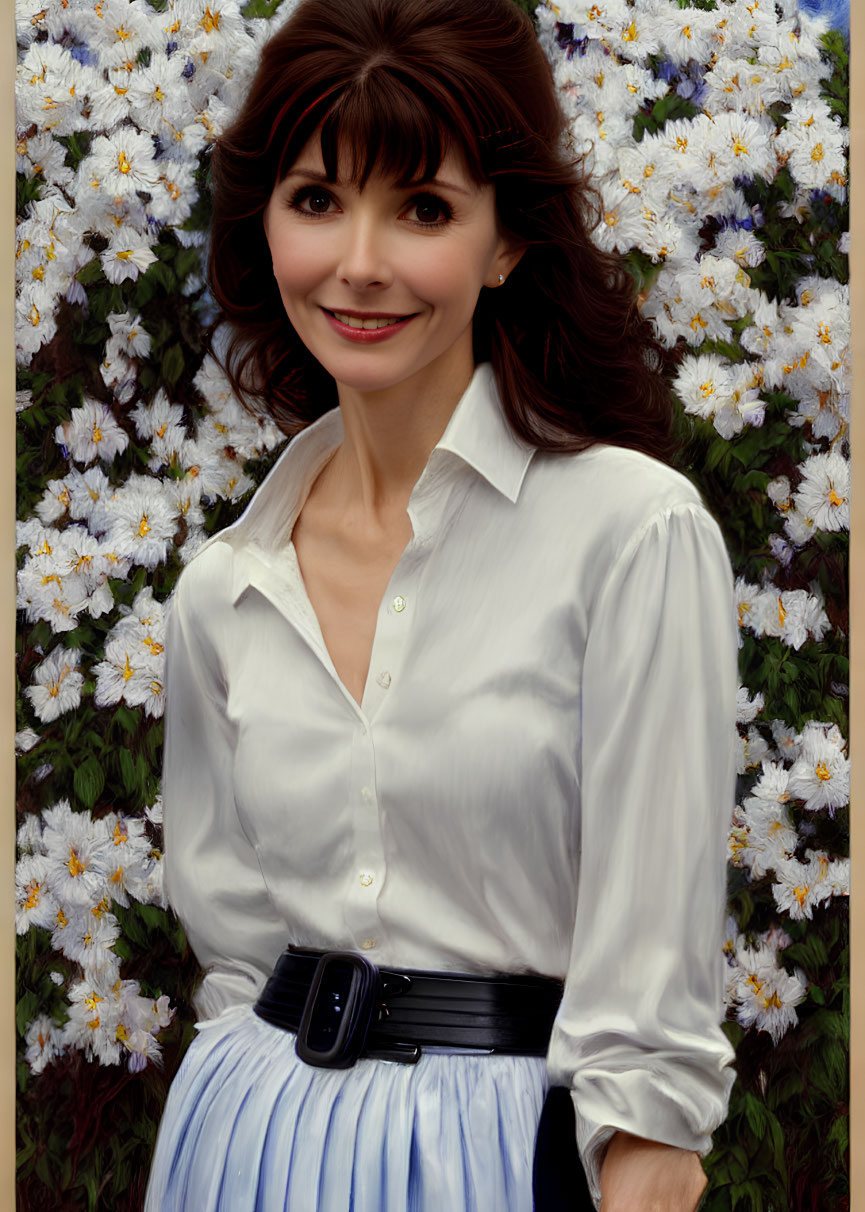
column 478, row 433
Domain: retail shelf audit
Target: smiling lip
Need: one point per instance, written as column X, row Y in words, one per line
column 390, row 324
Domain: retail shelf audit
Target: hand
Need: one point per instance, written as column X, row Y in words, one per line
column 640, row 1175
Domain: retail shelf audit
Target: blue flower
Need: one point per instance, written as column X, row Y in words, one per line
column 837, row 11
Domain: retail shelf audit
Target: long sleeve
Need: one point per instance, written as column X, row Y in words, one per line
column 638, row 1037
column 213, row 878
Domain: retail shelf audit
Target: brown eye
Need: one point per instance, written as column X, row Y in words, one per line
column 319, row 202
column 311, row 200
column 430, row 211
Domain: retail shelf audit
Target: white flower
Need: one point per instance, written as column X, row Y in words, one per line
column 133, row 666
column 821, row 773
column 752, row 749
column 798, row 527
column 800, row 887
column 742, row 246
column 119, row 374
column 748, row 708
column 766, row 993
column 128, row 335
column 788, row 741
column 94, row 1017
column 762, row 836
column 161, row 423
column 44, row 594
column 88, row 939
column 703, row 383
column 77, row 847
column 142, row 523
column 54, row 502
column 131, row 861
column 773, row 783
column 153, row 811
column 34, row 902
column 44, row 1042
column 128, row 254
column 803, row 618
column 25, row 740
column 778, row 492
column 52, row 89
column 91, row 432
column 121, row 163
column 56, row 684
column 29, row 836
column 824, row 492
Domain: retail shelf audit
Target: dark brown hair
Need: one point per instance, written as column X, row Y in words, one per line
column 394, row 83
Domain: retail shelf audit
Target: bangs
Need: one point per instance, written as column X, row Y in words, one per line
column 383, row 121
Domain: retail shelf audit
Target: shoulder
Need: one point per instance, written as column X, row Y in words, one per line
column 205, row 587
column 612, row 494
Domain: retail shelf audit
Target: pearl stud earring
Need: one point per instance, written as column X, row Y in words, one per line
column 501, row 279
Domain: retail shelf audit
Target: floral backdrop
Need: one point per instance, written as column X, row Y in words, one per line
column 717, row 135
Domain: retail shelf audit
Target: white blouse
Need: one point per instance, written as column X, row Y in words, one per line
column 539, row 778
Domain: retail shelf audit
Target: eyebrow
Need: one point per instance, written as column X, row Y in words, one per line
column 314, row 175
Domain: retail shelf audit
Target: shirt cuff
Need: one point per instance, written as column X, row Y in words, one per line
column 651, row 1104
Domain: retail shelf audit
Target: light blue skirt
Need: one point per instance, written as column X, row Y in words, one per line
column 248, row 1127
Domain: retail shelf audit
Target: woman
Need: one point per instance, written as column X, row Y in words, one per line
column 456, row 694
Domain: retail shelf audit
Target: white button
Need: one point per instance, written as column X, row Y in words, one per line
column 366, row 794
column 383, row 679
column 369, row 943
column 398, row 603
column 366, row 878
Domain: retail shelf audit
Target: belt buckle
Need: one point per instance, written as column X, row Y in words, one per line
column 346, row 990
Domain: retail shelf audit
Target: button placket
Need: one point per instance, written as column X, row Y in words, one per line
column 368, row 864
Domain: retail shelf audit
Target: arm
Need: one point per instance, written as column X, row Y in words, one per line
column 638, row 1175
column 638, row 1036
column 213, row 879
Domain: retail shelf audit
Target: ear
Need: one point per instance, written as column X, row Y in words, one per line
column 506, row 258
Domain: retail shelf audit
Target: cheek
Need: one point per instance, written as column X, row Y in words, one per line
column 449, row 277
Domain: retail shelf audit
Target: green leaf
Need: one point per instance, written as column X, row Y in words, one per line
column 128, row 772
column 88, row 781
column 26, row 1010
column 91, row 272
column 173, row 363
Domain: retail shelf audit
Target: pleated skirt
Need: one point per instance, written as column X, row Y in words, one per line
column 248, row 1127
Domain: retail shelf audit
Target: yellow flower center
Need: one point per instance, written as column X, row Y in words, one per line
column 822, row 772
column 817, row 153
column 143, row 527
column 127, row 670
column 76, row 867
column 33, row 890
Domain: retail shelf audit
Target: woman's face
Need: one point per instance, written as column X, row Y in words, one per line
column 380, row 284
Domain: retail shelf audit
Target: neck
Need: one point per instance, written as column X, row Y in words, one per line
column 388, row 437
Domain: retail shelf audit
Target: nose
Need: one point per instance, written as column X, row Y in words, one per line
column 363, row 254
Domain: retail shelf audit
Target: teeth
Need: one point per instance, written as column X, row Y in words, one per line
column 357, row 322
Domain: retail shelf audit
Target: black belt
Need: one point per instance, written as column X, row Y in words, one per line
column 343, row 1006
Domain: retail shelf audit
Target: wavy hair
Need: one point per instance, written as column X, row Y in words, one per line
column 394, row 84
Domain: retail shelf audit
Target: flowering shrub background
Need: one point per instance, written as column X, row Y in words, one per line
column 717, row 136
